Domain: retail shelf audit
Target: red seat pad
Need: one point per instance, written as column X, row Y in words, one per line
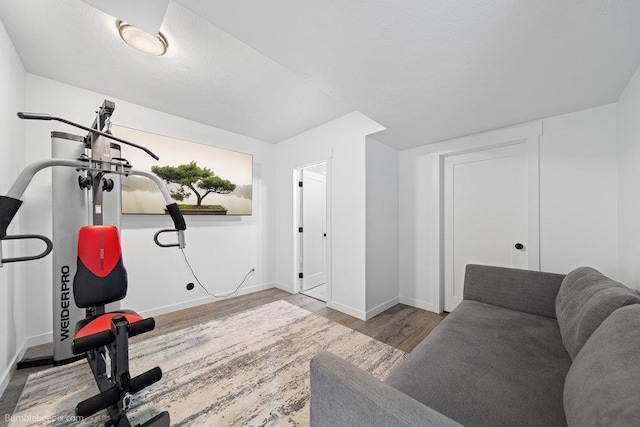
column 103, row 323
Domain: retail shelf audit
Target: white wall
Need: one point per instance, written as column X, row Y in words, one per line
column 341, row 143
column 578, row 202
column 417, row 216
column 578, row 192
column 221, row 249
column 13, row 304
column 381, row 227
column 628, row 121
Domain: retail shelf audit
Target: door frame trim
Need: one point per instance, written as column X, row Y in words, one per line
column 529, row 134
column 297, row 175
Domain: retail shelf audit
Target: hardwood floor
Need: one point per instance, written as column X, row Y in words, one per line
column 401, row 326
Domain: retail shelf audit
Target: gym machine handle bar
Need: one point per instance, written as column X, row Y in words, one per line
column 178, row 222
column 164, row 245
column 10, row 203
column 26, row 258
column 34, row 116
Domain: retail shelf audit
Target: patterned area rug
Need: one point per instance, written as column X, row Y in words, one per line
column 251, row 368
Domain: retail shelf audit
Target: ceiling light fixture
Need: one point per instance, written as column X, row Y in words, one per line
column 142, row 41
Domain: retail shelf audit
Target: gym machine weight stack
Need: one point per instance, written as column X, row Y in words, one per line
column 71, row 210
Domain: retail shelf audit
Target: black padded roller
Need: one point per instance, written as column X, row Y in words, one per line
column 141, row 326
column 145, row 379
column 97, row 403
column 111, row 396
column 93, row 341
column 160, row 420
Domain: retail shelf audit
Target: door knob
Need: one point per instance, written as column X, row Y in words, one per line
column 519, row 246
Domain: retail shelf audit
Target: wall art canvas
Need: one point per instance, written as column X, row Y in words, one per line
column 204, row 180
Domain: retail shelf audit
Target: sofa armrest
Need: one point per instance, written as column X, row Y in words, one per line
column 343, row 395
column 523, row 290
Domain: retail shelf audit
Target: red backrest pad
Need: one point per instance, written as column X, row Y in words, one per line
column 99, row 248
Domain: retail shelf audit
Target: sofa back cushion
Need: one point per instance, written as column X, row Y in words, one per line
column 585, row 299
column 602, row 387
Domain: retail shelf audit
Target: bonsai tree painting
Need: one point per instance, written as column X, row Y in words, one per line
column 202, row 181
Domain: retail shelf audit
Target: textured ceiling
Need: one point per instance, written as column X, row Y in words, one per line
column 144, row 14
column 438, row 69
column 425, row 70
column 207, row 75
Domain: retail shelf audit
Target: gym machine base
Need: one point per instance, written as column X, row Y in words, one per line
column 96, row 276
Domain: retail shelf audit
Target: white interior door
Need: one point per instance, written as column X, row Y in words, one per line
column 485, row 214
column 314, row 202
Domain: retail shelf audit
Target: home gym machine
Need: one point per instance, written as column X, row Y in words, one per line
column 89, row 270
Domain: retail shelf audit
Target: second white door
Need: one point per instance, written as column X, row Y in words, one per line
column 485, row 214
column 314, row 207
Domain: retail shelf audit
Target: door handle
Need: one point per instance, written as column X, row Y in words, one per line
column 519, row 246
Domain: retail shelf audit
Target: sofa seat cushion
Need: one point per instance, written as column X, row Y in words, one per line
column 488, row 365
column 603, row 384
column 584, row 300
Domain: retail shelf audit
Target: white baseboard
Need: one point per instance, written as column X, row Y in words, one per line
column 202, row 300
column 27, row 343
column 283, row 287
column 348, row 310
column 382, row 307
column 6, row 375
column 174, row 307
column 35, row 340
column 419, row 304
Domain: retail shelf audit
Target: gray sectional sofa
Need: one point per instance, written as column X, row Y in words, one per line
column 523, row 348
